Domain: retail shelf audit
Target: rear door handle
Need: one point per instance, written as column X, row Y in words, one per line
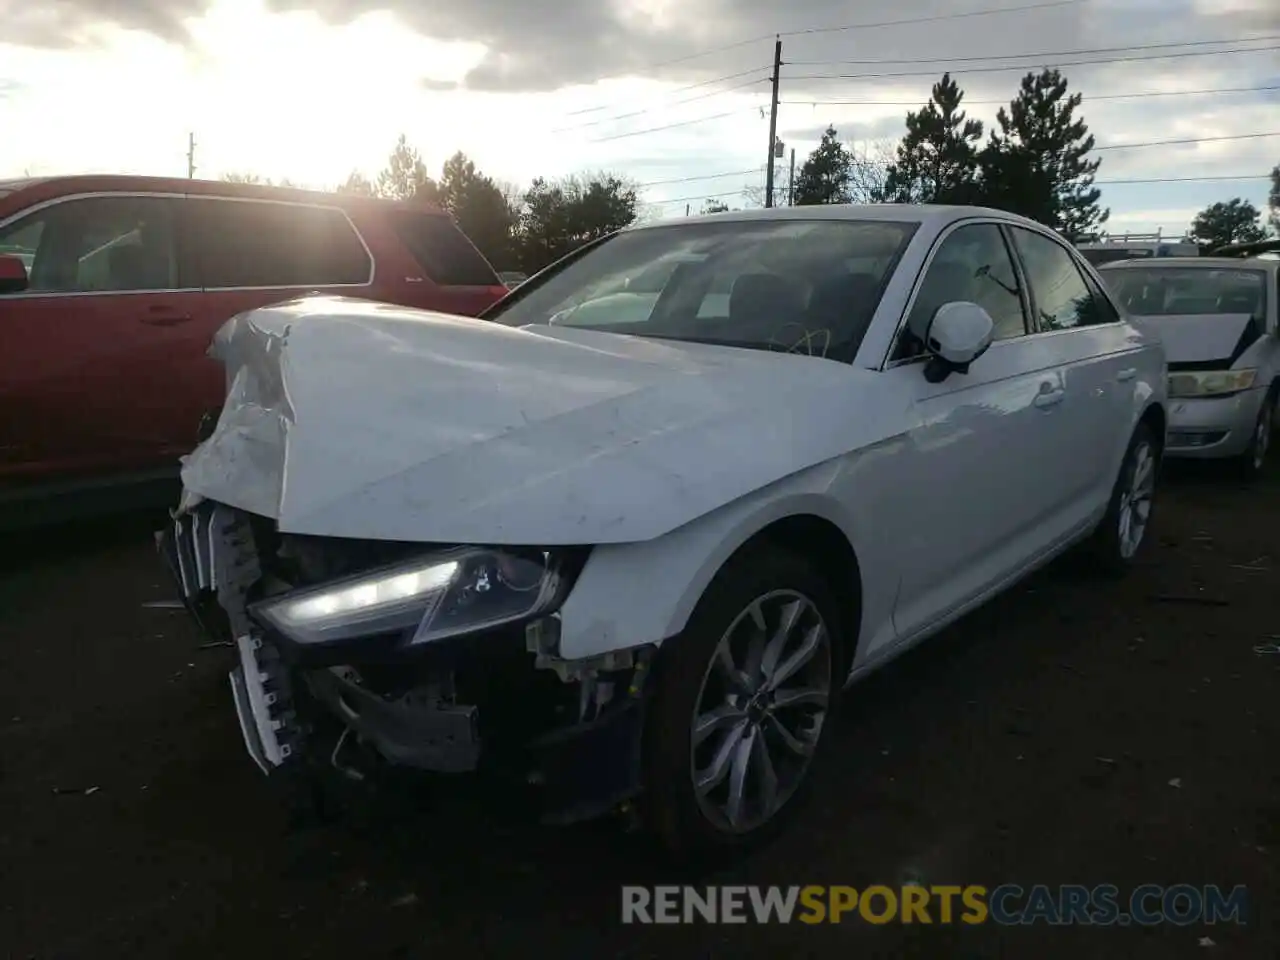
column 166, row 319
column 1049, row 396
column 1127, row 374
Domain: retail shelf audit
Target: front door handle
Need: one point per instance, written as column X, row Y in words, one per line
column 1049, row 396
column 166, row 319
column 1127, row 374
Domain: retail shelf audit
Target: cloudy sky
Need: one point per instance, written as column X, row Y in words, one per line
column 673, row 95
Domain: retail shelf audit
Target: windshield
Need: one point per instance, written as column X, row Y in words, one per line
column 1156, row 291
column 809, row 285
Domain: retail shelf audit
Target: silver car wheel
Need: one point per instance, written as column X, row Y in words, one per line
column 1135, row 502
column 760, row 711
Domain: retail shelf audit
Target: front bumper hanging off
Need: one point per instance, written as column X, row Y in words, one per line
column 584, row 763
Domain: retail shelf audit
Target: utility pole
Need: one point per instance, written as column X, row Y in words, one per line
column 791, row 181
column 773, row 122
column 191, row 156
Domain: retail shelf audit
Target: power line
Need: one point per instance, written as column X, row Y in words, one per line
column 1019, row 67
column 736, row 44
column 677, row 103
column 1170, row 143
column 730, row 113
column 1087, row 98
column 1100, row 183
column 709, row 176
column 667, row 93
column 671, row 126
column 1261, row 176
column 701, row 196
column 875, row 25
column 907, row 21
column 1045, row 53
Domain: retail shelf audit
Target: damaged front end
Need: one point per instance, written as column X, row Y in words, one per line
column 355, row 658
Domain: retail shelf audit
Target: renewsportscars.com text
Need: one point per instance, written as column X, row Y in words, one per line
column 1007, row 904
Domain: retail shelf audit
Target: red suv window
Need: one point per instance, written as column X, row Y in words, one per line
column 98, row 244
column 250, row 243
column 442, row 250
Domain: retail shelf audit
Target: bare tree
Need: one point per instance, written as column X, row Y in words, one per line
column 869, row 171
column 867, row 174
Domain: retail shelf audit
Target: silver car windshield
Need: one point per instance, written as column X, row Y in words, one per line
column 808, row 285
column 1163, row 291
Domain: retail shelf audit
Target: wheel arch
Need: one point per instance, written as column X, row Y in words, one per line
column 631, row 594
column 818, row 539
column 1155, row 417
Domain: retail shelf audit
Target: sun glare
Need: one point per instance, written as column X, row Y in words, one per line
column 287, row 95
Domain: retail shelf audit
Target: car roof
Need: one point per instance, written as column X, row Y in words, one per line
column 49, row 188
column 1222, row 263
column 929, row 214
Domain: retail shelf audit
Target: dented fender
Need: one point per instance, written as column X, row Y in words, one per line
column 637, row 593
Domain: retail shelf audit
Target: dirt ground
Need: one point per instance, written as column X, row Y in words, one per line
column 1035, row 742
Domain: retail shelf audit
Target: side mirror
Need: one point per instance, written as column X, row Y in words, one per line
column 959, row 334
column 13, row 274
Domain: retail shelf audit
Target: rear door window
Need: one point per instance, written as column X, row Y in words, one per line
column 98, row 245
column 442, row 250
column 1062, row 299
column 252, row 243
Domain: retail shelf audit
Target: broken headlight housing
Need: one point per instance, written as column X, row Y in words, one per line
column 442, row 595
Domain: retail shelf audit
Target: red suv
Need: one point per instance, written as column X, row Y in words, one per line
column 111, row 289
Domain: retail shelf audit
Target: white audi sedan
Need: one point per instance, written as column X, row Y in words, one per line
column 638, row 564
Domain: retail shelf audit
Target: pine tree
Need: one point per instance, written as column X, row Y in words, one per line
column 1038, row 163
column 937, row 160
column 826, row 174
column 405, row 176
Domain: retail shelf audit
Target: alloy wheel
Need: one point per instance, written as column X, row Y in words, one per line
column 1135, row 501
column 760, row 710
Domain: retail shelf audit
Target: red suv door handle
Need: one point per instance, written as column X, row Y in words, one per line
column 166, row 319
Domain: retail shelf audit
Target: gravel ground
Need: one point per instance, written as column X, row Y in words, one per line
column 136, row 827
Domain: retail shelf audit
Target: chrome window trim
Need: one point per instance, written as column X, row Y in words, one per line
column 165, row 195
column 999, row 222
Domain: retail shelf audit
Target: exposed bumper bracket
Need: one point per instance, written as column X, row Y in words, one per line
column 439, row 737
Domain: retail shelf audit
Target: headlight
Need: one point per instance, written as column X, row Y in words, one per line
column 460, row 591
column 1210, row 383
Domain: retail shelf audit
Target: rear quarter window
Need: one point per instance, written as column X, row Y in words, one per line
column 442, row 250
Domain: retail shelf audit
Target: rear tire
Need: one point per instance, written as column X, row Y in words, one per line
column 734, row 736
column 1122, row 536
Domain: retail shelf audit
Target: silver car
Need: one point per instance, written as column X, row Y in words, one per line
column 1217, row 319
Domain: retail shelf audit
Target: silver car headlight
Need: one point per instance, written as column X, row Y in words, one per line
column 1210, row 383
column 457, row 591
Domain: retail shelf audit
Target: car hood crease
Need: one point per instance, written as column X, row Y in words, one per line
column 1191, row 338
column 351, row 419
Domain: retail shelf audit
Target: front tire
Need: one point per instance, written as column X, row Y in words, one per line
column 1250, row 464
column 1123, row 533
column 743, row 706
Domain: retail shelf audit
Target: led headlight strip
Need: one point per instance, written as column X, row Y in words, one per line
column 461, row 591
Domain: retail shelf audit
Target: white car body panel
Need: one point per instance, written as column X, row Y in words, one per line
column 668, row 456
column 448, row 429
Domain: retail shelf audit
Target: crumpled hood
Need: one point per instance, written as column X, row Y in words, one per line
column 1196, row 338
column 354, row 419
